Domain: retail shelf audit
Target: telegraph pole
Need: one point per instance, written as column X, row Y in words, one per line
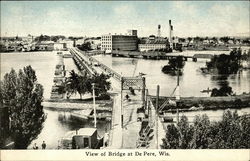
column 93, row 86
column 177, row 96
column 156, row 114
column 122, row 110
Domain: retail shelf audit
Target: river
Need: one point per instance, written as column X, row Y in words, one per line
column 191, row 83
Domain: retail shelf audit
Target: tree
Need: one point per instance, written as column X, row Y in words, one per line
column 245, row 131
column 225, row 39
column 86, row 46
column 225, row 90
column 201, row 131
column 189, row 39
column 232, row 132
column 174, row 65
column 171, row 141
column 23, row 96
column 82, row 84
column 226, row 64
column 186, row 132
column 101, row 84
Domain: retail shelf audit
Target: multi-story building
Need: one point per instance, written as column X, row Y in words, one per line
column 153, row 47
column 152, row 44
column 119, row 42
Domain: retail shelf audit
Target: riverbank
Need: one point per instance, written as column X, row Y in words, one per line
column 69, row 105
column 207, row 103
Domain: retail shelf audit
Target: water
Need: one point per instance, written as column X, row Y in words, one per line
column 56, row 123
column 191, row 83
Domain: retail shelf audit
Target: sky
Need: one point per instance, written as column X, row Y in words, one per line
column 86, row 18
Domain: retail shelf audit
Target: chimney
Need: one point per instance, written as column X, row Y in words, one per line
column 170, row 34
column 159, row 30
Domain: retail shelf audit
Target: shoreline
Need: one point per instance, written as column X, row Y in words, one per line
column 64, row 105
column 208, row 103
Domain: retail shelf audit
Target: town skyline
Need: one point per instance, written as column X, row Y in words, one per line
column 76, row 18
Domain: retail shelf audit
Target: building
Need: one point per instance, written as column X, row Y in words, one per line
column 94, row 42
column 79, row 42
column 69, row 43
column 153, row 44
column 119, row 42
column 59, row 46
column 151, row 47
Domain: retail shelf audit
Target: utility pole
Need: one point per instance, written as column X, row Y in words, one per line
column 122, row 81
column 144, row 91
column 177, row 96
column 156, row 114
column 93, row 86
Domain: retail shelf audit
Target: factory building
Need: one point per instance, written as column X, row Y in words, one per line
column 151, row 47
column 153, row 43
column 119, row 42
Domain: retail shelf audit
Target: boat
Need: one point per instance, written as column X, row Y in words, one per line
column 82, row 114
column 84, row 138
column 67, row 56
column 206, row 90
column 141, row 74
column 101, row 116
column 89, row 114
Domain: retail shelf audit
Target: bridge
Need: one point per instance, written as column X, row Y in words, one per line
column 82, row 63
column 92, row 63
column 137, row 136
column 158, row 55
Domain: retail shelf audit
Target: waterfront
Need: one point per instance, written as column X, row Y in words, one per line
column 191, row 82
column 58, row 123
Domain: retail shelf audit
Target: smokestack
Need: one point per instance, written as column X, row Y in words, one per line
column 159, row 30
column 170, row 34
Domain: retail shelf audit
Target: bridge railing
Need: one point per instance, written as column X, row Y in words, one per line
column 112, row 73
column 83, row 62
column 145, row 140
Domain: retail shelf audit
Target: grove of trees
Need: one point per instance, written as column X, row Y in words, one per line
column 85, row 47
column 224, row 90
column 226, row 64
column 82, row 84
column 174, row 65
column 22, row 95
column 232, row 132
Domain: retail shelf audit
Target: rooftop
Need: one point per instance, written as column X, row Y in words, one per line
column 86, row 131
column 155, row 41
